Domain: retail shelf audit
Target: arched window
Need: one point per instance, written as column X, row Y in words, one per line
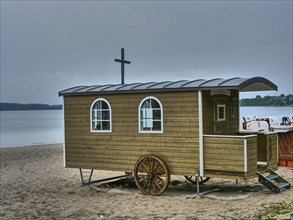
column 101, row 116
column 150, row 115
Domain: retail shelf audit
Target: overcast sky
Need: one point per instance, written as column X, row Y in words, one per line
column 49, row 46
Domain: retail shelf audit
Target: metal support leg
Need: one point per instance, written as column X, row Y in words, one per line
column 91, row 176
column 83, row 182
column 81, row 177
column 197, row 182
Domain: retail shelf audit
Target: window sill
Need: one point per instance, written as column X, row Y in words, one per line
column 94, row 131
column 151, row 132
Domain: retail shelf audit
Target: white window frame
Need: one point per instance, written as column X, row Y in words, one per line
column 110, row 113
column 218, row 113
column 139, row 115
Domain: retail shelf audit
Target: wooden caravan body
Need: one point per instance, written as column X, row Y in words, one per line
column 200, row 121
column 120, row 149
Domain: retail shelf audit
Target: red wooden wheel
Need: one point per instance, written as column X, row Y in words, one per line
column 151, row 175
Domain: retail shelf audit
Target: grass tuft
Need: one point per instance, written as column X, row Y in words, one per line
column 278, row 211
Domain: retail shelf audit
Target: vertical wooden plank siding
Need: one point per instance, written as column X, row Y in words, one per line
column 262, row 148
column 120, row 149
column 272, row 143
column 267, row 149
column 285, row 150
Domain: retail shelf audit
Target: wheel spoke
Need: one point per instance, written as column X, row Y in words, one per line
column 147, row 181
column 146, row 169
column 150, row 187
column 192, row 179
column 153, row 186
column 161, row 175
column 157, row 184
column 149, row 165
column 142, row 177
column 155, row 170
column 160, row 171
column 152, row 167
column 160, row 179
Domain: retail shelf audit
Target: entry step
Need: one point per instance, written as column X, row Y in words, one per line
column 283, row 185
column 273, row 181
column 272, row 177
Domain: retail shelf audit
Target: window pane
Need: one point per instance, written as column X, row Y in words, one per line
column 146, row 114
column 96, row 115
column 157, row 125
column 221, row 112
column 105, row 125
column 97, row 105
column 147, row 123
column 99, row 115
column 155, row 104
column 104, row 105
column 105, row 115
column 146, row 104
column 157, row 114
column 146, row 129
column 97, row 125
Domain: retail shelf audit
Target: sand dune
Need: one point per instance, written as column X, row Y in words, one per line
column 35, row 185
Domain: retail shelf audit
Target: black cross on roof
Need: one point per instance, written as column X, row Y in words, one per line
column 122, row 61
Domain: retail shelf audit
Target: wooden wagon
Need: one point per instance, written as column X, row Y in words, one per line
column 155, row 130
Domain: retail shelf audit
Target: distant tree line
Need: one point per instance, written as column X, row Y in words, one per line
column 282, row 100
column 17, row 106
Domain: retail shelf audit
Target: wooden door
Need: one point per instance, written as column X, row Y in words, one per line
column 220, row 116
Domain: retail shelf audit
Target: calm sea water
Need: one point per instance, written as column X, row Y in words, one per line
column 259, row 112
column 24, row 128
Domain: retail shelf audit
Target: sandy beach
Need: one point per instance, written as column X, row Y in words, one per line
column 35, row 185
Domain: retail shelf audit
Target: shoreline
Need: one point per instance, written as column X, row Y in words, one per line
column 35, row 184
column 275, row 106
column 32, row 145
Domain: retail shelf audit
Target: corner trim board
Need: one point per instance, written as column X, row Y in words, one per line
column 200, row 124
column 245, row 155
column 64, row 156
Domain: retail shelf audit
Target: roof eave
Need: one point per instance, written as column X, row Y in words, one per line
column 240, row 84
column 148, row 91
column 257, row 84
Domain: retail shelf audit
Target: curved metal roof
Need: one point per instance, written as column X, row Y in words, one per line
column 241, row 84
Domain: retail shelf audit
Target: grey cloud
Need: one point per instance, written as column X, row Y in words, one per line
column 62, row 44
